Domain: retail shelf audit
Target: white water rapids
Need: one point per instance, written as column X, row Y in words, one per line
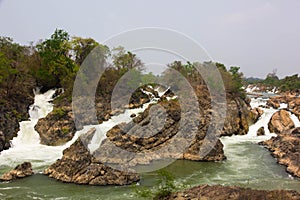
column 26, row 146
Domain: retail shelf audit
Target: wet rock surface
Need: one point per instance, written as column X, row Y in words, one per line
column 21, row 171
column 218, row 192
column 78, row 166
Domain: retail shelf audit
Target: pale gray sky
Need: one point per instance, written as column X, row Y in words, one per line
column 257, row 35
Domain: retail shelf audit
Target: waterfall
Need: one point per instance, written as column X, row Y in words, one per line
column 262, row 122
column 26, row 146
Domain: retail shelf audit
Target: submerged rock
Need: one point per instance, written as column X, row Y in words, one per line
column 20, row 171
column 280, row 121
column 78, row 166
column 218, row 192
column 286, row 148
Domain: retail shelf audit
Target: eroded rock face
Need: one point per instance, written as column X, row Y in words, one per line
column 218, row 192
column 78, row 166
column 286, row 148
column 280, row 122
column 20, row 171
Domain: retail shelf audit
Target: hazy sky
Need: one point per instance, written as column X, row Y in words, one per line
column 257, row 35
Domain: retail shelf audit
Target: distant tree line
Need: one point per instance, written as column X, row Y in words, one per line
column 288, row 83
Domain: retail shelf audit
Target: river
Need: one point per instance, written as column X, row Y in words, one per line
column 247, row 164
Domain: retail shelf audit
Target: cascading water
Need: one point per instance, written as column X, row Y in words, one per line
column 26, row 146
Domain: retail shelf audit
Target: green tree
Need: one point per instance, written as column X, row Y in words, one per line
column 125, row 60
column 82, row 47
column 56, row 64
column 11, row 63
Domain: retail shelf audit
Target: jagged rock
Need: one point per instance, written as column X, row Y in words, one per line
column 218, row 192
column 280, row 121
column 256, row 113
column 20, row 171
column 78, row 166
column 286, row 148
column 260, row 131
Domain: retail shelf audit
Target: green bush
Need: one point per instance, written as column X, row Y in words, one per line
column 165, row 185
column 59, row 112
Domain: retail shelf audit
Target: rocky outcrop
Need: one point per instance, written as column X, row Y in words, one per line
column 14, row 108
column 57, row 128
column 78, row 166
column 149, row 133
column 260, row 131
column 286, row 149
column 238, row 117
column 218, row 192
column 20, row 171
column 280, row 122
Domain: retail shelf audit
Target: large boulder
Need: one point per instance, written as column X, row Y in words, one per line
column 20, row 171
column 78, row 166
column 280, row 122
